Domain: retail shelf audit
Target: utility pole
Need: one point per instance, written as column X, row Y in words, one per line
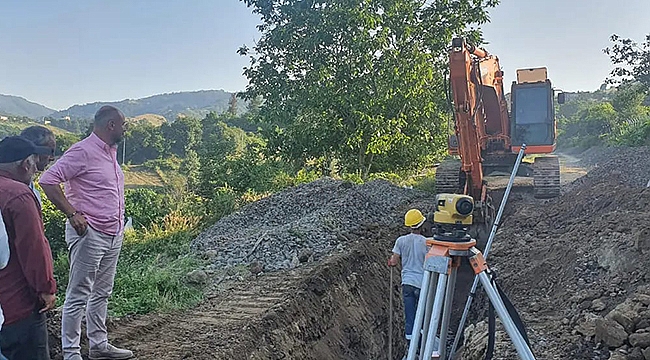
column 123, row 150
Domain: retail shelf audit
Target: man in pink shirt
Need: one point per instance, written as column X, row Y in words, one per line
column 94, row 205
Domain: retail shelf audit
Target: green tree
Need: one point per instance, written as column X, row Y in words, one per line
column 64, row 141
column 590, row 126
column 144, row 141
column 359, row 82
column 632, row 60
column 190, row 167
column 182, row 135
column 628, row 103
column 253, row 106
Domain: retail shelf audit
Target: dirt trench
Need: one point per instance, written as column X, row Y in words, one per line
column 334, row 309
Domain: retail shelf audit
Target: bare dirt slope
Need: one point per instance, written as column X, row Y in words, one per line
column 576, row 266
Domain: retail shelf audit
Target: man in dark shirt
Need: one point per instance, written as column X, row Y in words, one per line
column 27, row 285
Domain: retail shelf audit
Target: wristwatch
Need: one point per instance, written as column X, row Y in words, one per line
column 73, row 214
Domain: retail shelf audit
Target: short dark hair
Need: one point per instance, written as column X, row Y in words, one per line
column 37, row 134
column 105, row 114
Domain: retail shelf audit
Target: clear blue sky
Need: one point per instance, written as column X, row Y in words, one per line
column 566, row 36
column 60, row 53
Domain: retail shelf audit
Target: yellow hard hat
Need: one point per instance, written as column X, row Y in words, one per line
column 414, row 218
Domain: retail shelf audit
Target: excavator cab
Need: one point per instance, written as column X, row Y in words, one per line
column 533, row 112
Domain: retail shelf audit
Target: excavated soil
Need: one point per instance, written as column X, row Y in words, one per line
column 316, row 286
column 576, row 266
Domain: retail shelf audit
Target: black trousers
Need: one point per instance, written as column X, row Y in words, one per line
column 26, row 339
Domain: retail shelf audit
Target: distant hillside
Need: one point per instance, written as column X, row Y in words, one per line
column 152, row 119
column 9, row 127
column 15, row 105
column 196, row 103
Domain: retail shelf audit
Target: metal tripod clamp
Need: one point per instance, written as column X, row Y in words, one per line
column 437, row 264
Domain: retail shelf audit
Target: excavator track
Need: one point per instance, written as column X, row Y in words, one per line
column 546, row 177
column 448, row 179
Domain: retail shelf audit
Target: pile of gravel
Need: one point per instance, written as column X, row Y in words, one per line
column 627, row 165
column 301, row 224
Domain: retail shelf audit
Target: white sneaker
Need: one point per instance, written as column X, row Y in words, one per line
column 110, row 352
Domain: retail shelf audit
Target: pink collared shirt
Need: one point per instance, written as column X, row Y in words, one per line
column 94, row 183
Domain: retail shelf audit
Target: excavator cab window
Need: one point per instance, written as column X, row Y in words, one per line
column 533, row 114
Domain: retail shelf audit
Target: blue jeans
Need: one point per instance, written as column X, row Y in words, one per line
column 26, row 339
column 411, row 295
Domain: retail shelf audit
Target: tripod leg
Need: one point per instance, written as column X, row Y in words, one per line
column 419, row 315
column 437, row 314
column 518, row 341
column 446, row 313
column 429, row 310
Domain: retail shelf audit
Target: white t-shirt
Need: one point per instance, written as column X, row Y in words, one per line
column 412, row 249
column 36, row 193
column 4, row 255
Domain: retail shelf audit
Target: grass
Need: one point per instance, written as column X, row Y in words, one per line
column 425, row 181
column 137, row 176
column 151, row 269
column 12, row 127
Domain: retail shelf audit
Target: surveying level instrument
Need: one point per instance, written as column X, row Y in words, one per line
column 451, row 242
column 448, row 247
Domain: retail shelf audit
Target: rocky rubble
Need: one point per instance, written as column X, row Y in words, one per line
column 626, row 165
column 300, row 225
column 625, row 330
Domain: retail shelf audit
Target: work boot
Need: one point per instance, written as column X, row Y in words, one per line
column 110, row 352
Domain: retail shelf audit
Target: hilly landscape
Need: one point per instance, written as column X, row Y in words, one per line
column 194, row 103
column 170, row 105
column 18, row 106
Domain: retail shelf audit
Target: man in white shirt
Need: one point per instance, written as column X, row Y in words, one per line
column 412, row 250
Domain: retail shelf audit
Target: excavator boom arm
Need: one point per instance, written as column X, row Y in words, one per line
column 465, row 111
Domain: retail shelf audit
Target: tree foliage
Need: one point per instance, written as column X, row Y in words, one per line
column 356, row 81
column 182, row 135
column 144, row 141
column 632, row 60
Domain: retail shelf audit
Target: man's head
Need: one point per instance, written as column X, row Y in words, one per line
column 109, row 124
column 18, row 157
column 41, row 136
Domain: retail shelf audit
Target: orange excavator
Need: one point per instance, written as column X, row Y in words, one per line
column 488, row 133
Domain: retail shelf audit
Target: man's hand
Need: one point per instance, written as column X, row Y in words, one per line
column 49, row 301
column 392, row 261
column 79, row 223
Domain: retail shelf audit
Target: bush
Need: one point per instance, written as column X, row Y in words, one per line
column 54, row 221
column 223, row 201
column 171, row 163
column 637, row 135
column 146, row 206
